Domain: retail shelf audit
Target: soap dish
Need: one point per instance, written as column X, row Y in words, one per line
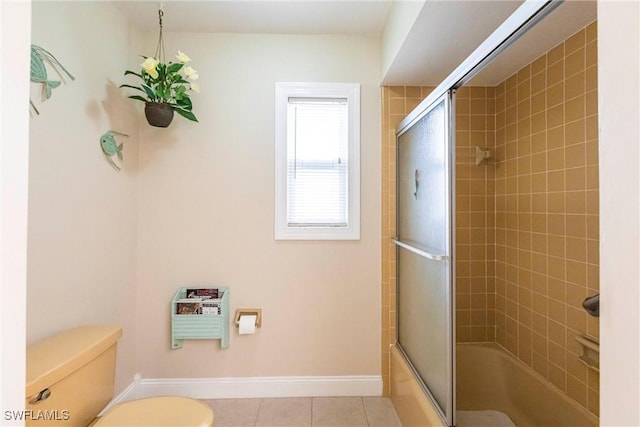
column 590, row 352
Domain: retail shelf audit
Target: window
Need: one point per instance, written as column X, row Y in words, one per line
column 317, row 161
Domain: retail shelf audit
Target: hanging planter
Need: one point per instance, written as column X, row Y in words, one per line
column 158, row 114
column 165, row 86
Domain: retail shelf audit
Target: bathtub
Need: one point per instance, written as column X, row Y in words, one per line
column 488, row 378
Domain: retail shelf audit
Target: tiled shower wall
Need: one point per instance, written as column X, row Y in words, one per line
column 546, row 222
column 475, row 215
column 526, row 220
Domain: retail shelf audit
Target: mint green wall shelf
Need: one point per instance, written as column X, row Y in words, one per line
column 200, row 326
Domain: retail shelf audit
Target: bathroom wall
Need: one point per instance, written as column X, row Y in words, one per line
column 82, row 213
column 619, row 155
column 15, row 33
column 400, row 20
column 206, row 217
column 547, row 213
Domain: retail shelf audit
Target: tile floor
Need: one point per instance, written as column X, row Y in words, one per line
column 305, row 411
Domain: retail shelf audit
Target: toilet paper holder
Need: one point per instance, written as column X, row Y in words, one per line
column 248, row 312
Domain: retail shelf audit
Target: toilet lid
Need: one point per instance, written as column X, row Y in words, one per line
column 166, row 411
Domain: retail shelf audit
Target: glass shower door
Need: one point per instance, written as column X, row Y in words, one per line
column 424, row 276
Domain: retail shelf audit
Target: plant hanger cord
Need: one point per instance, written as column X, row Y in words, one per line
column 164, row 86
column 160, row 47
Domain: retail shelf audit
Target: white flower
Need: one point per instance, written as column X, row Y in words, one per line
column 191, row 73
column 195, row 87
column 150, row 65
column 182, row 57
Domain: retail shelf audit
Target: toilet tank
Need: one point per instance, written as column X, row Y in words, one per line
column 77, row 367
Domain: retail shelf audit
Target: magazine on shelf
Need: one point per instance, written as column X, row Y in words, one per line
column 189, row 306
column 211, row 306
column 204, row 293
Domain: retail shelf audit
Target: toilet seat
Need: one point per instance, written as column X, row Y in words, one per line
column 165, row 411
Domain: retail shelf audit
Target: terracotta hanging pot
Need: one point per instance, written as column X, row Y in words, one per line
column 158, row 114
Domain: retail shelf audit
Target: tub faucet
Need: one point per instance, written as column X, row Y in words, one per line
column 592, row 305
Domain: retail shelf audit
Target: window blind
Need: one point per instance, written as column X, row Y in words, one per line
column 317, row 162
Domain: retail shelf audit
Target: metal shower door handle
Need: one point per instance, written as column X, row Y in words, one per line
column 420, row 252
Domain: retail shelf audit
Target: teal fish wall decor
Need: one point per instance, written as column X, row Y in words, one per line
column 110, row 147
column 39, row 56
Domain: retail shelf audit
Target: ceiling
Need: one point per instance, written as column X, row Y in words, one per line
column 262, row 16
column 443, row 35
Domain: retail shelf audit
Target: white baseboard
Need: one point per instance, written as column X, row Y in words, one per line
column 129, row 393
column 255, row 387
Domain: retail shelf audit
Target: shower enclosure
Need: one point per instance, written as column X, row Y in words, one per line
column 424, row 233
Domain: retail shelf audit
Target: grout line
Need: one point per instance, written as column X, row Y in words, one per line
column 255, row 421
column 313, row 400
column 364, row 409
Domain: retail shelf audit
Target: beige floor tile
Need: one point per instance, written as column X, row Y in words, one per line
column 295, row 412
column 380, row 412
column 338, row 411
column 300, row 412
column 235, row 412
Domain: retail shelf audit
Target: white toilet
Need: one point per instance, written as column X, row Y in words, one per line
column 70, row 379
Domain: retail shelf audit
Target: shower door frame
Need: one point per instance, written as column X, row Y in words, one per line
column 448, row 415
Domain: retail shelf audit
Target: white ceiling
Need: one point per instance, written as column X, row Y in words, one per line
column 444, row 34
column 261, row 16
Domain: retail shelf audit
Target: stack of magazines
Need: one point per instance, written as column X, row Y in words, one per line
column 200, row 301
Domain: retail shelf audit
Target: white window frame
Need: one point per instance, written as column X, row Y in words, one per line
column 284, row 91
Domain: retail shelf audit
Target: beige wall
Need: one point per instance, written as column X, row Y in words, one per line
column 204, row 202
column 207, row 217
column 15, row 32
column 82, row 214
column 400, row 20
column 619, row 109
